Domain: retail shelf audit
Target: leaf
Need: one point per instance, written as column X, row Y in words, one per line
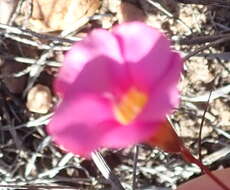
column 56, row 15
column 6, row 9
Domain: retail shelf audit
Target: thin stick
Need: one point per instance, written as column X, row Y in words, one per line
column 188, row 40
column 190, row 158
column 220, row 92
column 106, row 171
column 27, row 60
column 168, row 14
column 204, row 47
column 218, row 3
column 28, row 33
column 135, row 160
column 201, row 127
column 36, row 187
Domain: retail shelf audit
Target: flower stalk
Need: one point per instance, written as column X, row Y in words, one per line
column 167, row 139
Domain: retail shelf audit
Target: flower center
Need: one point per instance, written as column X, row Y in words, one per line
column 130, row 106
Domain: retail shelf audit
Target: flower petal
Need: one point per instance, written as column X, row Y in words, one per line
column 100, row 76
column 123, row 136
column 79, row 123
column 99, row 43
column 145, row 50
column 164, row 95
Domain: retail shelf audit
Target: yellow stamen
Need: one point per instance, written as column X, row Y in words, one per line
column 130, row 106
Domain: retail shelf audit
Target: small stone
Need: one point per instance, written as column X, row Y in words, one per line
column 39, row 99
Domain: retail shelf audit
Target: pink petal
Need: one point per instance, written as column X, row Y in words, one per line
column 123, row 136
column 164, row 95
column 145, row 50
column 84, row 123
column 99, row 76
column 99, row 43
column 80, row 122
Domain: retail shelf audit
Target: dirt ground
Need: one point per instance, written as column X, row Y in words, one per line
column 33, row 40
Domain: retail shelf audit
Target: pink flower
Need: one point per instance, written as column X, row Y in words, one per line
column 117, row 87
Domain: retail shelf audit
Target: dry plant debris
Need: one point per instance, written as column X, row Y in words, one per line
column 54, row 15
column 27, row 157
column 13, row 83
column 7, row 8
